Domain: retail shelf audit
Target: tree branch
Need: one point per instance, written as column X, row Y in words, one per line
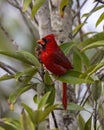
column 79, row 20
column 8, row 68
column 79, row 9
column 15, row 45
column 26, row 17
column 90, row 13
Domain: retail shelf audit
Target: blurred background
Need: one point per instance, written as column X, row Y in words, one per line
column 15, row 33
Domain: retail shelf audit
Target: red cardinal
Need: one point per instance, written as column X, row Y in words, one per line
column 54, row 60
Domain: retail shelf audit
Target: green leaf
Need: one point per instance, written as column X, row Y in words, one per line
column 23, row 56
column 43, row 101
column 2, row 128
column 47, row 79
column 100, row 19
column 73, row 77
column 78, row 27
column 97, row 57
column 21, row 89
column 26, row 4
column 37, row 5
column 42, row 114
column 38, row 116
column 29, row 57
column 96, row 90
column 25, row 121
column 85, row 59
column 98, row 8
column 49, row 87
column 74, row 107
column 51, row 98
column 85, row 35
column 93, row 45
column 30, row 112
column 26, row 75
column 85, row 15
column 81, row 122
column 11, row 124
column 95, row 38
column 35, row 99
column 6, row 77
column 77, row 60
column 66, row 47
column 91, row 70
column 62, row 6
column 88, row 124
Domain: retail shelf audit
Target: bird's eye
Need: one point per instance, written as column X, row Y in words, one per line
column 45, row 40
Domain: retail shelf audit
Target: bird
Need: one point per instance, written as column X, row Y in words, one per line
column 53, row 58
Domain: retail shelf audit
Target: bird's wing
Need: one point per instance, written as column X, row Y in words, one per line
column 59, row 58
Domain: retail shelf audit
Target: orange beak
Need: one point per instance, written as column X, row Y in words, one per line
column 40, row 42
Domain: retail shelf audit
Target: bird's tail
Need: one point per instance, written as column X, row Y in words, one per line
column 64, row 97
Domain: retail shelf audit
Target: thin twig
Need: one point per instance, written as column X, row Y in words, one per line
column 79, row 20
column 84, row 2
column 55, row 121
column 100, row 1
column 84, row 99
column 7, row 68
column 95, row 115
column 15, row 45
column 14, row 4
column 90, row 13
column 88, row 87
column 24, row 16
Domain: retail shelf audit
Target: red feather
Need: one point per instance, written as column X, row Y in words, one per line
column 54, row 60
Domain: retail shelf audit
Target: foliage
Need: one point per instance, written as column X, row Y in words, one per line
column 85, row 72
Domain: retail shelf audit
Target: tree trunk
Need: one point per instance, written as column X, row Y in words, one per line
column 50, row 21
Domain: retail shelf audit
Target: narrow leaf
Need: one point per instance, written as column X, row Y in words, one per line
column 43, row 101
column 96, row 90
column 22, row 88
column 77, row 60
column 23, row 56
column 37, row 5
column 11, row 124
column 97, row 57
column 74, row 107
column 29, row 111
column 63, row 4
column 26, row 4
column 88, row 124
column 95, row 38
column 73, row 77
column 85, row 59
column 78, row 27
column 94, row 45
column 38, row 116
column 46, row 112
column 23, row 120
column 49, row 87
column 98, row 8
column 81, row 122
column 85, row 15
column 26, row 74
column 91, row 70
column 66, row 47
column 29, row 57
column 100, row 19
column 6, row 77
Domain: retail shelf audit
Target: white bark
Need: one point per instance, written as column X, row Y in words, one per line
column 43, row 18
column 50, row 21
